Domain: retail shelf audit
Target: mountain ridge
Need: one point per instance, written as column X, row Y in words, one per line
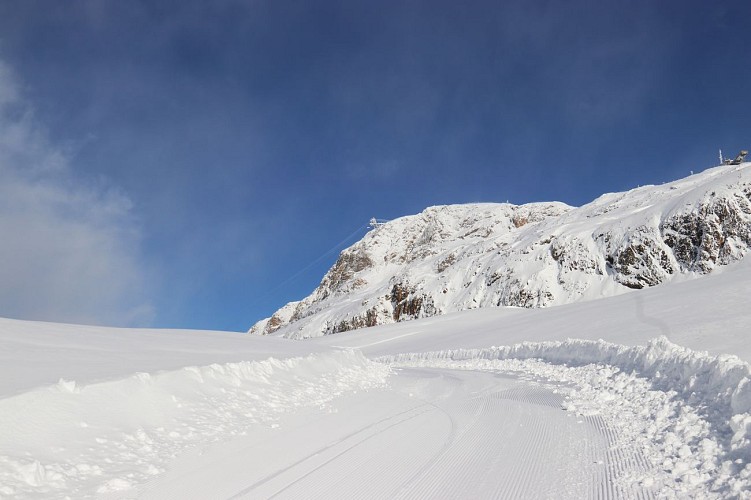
column 457, row 257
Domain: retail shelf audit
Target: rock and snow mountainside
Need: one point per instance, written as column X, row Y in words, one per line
column 459, row 257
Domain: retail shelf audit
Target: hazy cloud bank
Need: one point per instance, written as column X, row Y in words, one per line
column 69, row 248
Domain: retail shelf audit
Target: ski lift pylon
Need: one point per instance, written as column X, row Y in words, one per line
column 375, row 223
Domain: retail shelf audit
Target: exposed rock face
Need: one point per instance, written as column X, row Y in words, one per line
column 279, row 319
column 640, row 260
column 451, row 258
column 716, row 233
column 339, row 278
column 408, row 303
column 370, row 318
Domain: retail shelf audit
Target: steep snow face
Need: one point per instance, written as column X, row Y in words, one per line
column 453, row 258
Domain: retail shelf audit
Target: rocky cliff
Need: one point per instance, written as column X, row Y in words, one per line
column 457, row 257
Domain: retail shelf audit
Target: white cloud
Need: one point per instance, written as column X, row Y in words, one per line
column 69, row 249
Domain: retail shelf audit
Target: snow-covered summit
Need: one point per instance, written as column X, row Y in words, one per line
column 457, row 257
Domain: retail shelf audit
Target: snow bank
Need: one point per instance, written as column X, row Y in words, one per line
column 722, row 382
column 696, row 399
column 68, row 440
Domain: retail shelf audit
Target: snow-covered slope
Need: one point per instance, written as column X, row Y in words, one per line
column 707, row 314
column 35, row 353
column 89, row 412
column 609, row 398
column 459, row 257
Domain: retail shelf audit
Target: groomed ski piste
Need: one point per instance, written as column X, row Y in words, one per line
column 642, row 395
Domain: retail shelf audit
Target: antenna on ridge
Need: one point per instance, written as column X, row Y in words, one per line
column 722, row 161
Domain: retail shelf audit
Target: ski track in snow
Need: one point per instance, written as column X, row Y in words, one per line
column 473, row 435
column 658, row 443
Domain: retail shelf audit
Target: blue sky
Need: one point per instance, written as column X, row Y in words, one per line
column 176, row 163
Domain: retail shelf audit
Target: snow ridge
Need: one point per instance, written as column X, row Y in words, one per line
column 111, row 436
column 691, row 409
column 458, row 257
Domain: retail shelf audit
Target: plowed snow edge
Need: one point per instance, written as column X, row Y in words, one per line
column 73, row 441
column 688, row 410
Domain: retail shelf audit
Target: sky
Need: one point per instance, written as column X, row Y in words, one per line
column 195, row 164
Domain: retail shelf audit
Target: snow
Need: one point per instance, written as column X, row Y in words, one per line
column 105, row 437
column 687, row 412
column 641, row 394
column 35, row 354
column 422, row 408
column 428, row 435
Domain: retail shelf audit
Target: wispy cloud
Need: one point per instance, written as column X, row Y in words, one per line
column 69, row 248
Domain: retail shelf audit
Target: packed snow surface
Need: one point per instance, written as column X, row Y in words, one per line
column 683, row 416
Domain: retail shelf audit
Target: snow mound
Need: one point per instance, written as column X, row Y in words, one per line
column 112, row 435
column 692, row 410
column 458, row 257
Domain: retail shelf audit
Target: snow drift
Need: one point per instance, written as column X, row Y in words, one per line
column 68, row 440
column 459, row 257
